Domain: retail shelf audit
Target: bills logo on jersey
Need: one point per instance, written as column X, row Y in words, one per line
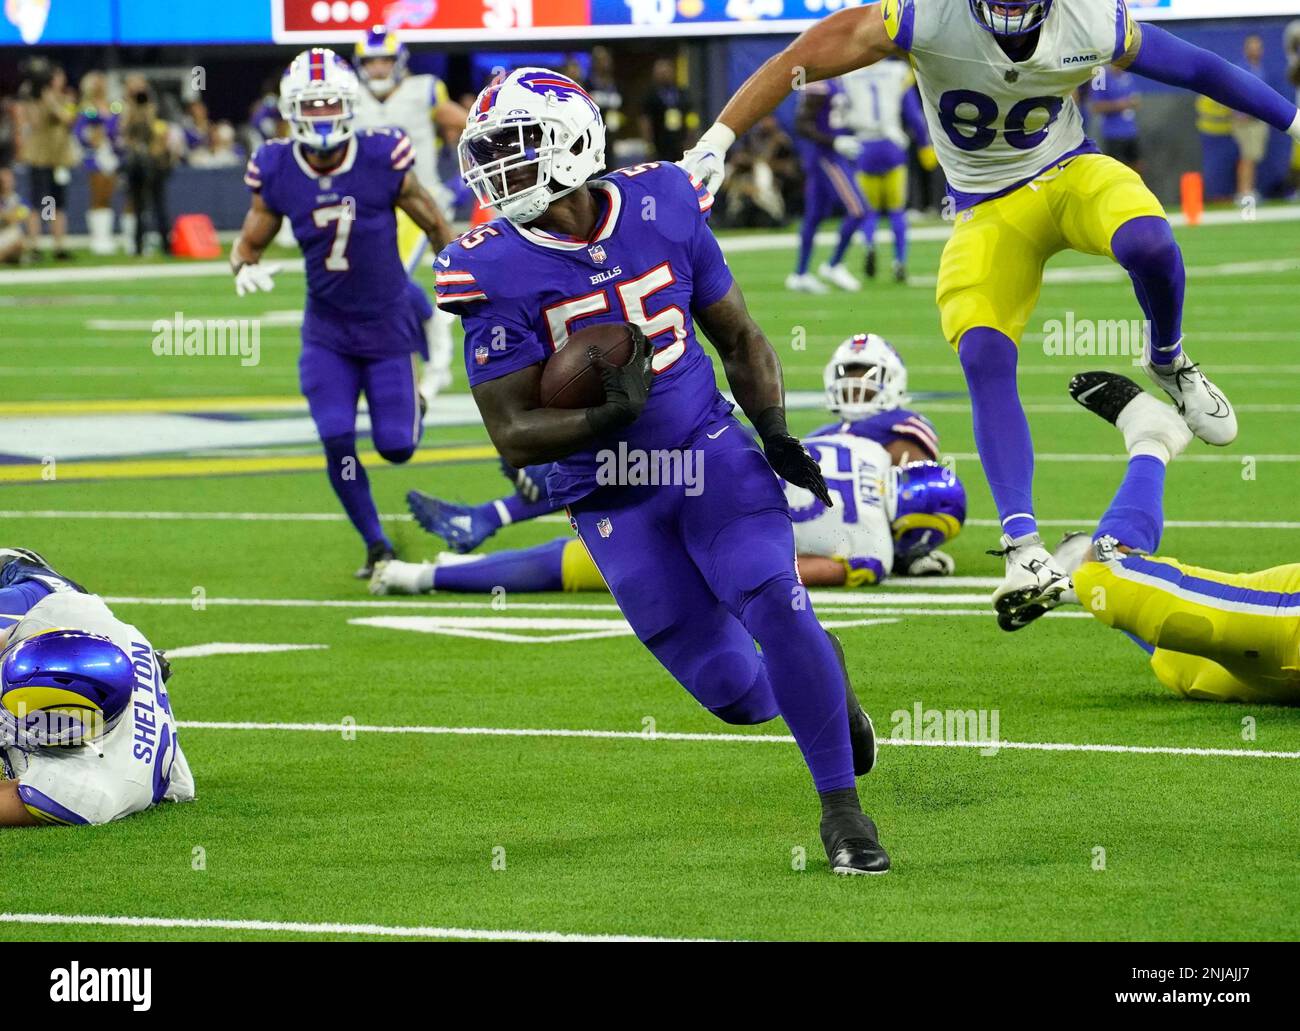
column 480, row 355
column 597, row 253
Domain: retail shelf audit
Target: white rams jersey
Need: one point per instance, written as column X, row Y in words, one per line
column 857, row 529
column 875, row 104
column 997, row 123
column 137, row 763
column 410, row 108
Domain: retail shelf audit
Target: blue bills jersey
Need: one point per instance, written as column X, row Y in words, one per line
column 357, row 299
column 652, row 260
column 886, row 427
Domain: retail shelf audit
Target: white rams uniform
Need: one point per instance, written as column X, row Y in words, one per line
column 995, row 122
column 876, row 101
column 409, row 107
column 857, row 529
column 139, row 761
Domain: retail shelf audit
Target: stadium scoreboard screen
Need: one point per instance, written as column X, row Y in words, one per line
column 34, row 22
column 467, row 20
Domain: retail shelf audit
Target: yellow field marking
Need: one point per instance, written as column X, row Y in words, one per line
column 170, row 404
column 165, row 468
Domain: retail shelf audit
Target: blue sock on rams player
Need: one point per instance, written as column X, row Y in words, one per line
column 1002, row 435
column 1136, row 515
column 1145, row 247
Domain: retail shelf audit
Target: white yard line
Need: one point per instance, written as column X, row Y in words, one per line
column 779, row 739
column 291, row 927
column 336, row 517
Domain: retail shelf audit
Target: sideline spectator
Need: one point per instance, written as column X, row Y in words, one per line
column 96, row 132
column 219, row 151
column 666, row 116
column 48, row 148
column 14, row 214
column 604, row 90
column 1250, row 133
column 1115, row 100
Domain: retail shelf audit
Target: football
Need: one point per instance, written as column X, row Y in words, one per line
column 569, row 380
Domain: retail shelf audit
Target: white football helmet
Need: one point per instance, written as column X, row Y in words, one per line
column 318, row 93
column 865, row 376
column 533, row 137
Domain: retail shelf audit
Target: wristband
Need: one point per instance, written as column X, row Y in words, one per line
column 771, row 423
column 605, row 419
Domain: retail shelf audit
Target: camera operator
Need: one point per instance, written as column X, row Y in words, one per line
column 148, row 157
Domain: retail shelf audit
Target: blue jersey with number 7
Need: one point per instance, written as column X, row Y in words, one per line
column 345, row 224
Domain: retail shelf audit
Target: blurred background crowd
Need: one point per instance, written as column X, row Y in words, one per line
column 98, row 151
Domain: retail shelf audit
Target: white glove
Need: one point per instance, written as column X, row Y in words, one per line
column 254, row 277
column 848, row 147
column 936, row 563
column 707, row 160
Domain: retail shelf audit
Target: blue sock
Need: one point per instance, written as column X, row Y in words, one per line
column 1148, row 252
column 1136, row 516
column 352, row 485
column 848, row 229
column 870, row 222
column 1001, row 430
column 807, row 230
column 898, row 222
column 525, row 569
column 15, row 601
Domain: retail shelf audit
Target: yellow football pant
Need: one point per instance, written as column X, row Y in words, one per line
column 992, row 268
column 886, row 192
column 1224, row 637
column 577, row 571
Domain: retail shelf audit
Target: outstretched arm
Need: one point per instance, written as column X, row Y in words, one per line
column 849, row 39
column 1160, row 55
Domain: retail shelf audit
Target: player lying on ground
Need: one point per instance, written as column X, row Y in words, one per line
column 889, row 519
column 1026, row 183
column 87, row 733
column 391, row 96
column 700, row 578
column 1225, row 637
column 361, row 326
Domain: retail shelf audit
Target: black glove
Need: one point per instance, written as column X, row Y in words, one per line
column 627, row 387
column 788, row 457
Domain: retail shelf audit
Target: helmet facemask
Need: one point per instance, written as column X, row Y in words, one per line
column 855, row 391
column 1010, row 18
column 522, row 166
column 319, row 116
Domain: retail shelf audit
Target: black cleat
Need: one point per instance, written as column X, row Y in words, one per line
column 375, row 554
column 852, row 844
column 870, row 266
column 900, row 272
column 862, row 734
column 1104, row 393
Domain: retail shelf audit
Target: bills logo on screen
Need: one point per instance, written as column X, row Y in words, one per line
column 480, row 355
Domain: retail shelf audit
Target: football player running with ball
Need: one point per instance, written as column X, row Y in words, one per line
column 361, row 330
column 702, row 577
column 87, row 733
column 997, row 81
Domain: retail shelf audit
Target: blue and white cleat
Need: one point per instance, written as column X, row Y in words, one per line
column 461, row 526
column 1203, row 406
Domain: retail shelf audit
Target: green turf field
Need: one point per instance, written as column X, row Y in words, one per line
column 454, row 827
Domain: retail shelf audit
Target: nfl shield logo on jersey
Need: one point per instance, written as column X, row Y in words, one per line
column 480, row 355
column 605, row 527
column 597, row 253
